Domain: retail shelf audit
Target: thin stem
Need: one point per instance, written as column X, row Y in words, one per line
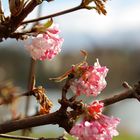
column 29, row 138
column 119, row 97
column 17, row 137
column 31, row 83
column 67, row 86
column 55, row 14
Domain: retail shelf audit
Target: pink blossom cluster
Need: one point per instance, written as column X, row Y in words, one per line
column 95, row 126
column 103, row 128
column 91, row 81
column 45, row 45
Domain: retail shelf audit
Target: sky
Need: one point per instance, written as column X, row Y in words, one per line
column 121, row 23
column 83, row 27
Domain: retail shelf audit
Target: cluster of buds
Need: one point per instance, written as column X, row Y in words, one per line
column 99, row 5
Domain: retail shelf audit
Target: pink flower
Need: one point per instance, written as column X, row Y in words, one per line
column 103, row 128
column 95, row 109
column 92, row 80
column 46, row 45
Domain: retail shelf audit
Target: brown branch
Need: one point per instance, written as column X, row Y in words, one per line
column 29, row 138
column 16, row 21
column 2, row 18
column 67, row 85
column 63, row 117
column 127, row 94
column 7, row 28
column 54, row 118
column 31, row 85
column 31, row 82
column 83, row 5
column 29, row 122
column 17, row 137
column 117, row 98
column 60, row 117
column 55, row 14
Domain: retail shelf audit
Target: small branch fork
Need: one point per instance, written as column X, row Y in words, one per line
column 9, row 25
column 64, row 118
column 55, row 14
column 8, row 28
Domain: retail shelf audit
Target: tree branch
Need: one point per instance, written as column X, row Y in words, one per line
column 9, row 27
column 61, row 117
column 52, row 118
column 29, row 138
column 127, row 94
column 117, row 98
column 14, row 22
column 31, row 85
column 17, row 137
column 55, row 14
column 67, row 85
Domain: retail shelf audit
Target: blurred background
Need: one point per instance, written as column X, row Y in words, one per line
column 114, row 39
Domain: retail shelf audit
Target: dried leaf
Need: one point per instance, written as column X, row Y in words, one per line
column 43, row 100
column 76, row 69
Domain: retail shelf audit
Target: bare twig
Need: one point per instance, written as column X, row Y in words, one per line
column 131, row 92
column 52, row 118
column 63, row 117
column 29, row 138
column 30, row 83
column 8, row 29
column 30, row 88
column 67, row 85
column 17, row 137
column 13, row 23
column 119, row 97
column 2, row 18
column 126, row 85
column 16, row 21
column 83, row 5
column 55, row 14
